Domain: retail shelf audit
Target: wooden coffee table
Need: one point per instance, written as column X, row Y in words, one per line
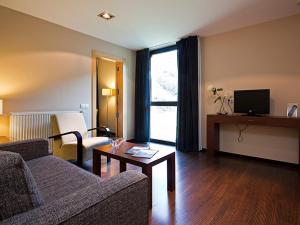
column 146, row 164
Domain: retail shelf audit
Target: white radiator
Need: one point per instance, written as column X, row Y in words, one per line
column 30, row 125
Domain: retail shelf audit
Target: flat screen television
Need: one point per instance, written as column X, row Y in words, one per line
column 252, row 102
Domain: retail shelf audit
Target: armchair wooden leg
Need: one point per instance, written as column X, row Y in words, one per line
column 79, row 153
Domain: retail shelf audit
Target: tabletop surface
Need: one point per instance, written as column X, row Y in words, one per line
column 119, row 152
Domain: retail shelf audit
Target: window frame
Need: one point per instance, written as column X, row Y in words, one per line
column 161, row 103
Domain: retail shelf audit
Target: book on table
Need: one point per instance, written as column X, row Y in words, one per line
column 141, row 152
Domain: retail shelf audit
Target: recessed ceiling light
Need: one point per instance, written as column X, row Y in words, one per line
column 106, row 15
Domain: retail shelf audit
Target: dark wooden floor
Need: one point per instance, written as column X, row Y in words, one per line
column 226, row 190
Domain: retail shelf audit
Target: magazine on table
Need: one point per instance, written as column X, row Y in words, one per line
column 141, row 152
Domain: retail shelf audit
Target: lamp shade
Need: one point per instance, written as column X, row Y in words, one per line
column 109, row 92
column 1, row 106
column 113, row 92
column 106, row 92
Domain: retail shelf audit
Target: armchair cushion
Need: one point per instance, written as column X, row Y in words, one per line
column 18, row 189
column 71, row 122
column 88, row 145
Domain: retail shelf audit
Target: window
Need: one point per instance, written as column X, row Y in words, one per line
column 164, row 86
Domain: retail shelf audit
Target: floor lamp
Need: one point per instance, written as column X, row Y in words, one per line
column 107, row 92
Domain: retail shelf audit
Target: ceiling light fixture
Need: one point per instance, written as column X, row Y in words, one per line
column 106, row 15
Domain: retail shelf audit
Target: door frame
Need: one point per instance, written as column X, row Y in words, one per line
column 98, row 54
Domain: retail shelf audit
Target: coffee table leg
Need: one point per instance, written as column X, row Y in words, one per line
column 108, row 159
column 96, row 163
column 147, row 170
column 122, row 166
column 171, row 173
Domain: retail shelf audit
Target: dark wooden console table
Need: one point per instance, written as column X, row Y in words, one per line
column 214, row 121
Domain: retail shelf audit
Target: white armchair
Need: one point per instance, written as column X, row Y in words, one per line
column 73, row 141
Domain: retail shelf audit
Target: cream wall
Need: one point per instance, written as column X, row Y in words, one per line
column 261, row 56
column 107, row 79
column 45, row 67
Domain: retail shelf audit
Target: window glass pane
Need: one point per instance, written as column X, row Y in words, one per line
column 163, row 123
column 164, row 76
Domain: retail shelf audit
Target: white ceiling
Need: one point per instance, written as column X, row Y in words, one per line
column 148, row 23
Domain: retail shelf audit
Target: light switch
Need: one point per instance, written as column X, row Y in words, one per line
column 84, row 106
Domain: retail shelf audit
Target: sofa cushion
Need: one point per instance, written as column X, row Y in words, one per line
column 18, row 189
column 57, row 178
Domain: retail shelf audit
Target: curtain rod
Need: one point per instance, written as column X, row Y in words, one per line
column 167, row 44
column 162, row 45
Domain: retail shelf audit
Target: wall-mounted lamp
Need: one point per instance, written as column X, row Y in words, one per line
column 1, row 107
column 1, row 113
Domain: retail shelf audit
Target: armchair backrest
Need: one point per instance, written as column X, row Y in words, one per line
column 67, row 122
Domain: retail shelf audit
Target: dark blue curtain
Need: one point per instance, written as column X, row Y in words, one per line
column 142, row 96
column 188, row 106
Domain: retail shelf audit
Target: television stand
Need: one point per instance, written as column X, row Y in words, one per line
column 214, row 121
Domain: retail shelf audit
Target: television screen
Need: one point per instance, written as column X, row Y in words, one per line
column 252, row 101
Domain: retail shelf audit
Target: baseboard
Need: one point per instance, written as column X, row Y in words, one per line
column 247, row 157
column 162, row 142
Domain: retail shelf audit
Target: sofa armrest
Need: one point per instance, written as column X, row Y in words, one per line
column 29, row 149
column 122, row 199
